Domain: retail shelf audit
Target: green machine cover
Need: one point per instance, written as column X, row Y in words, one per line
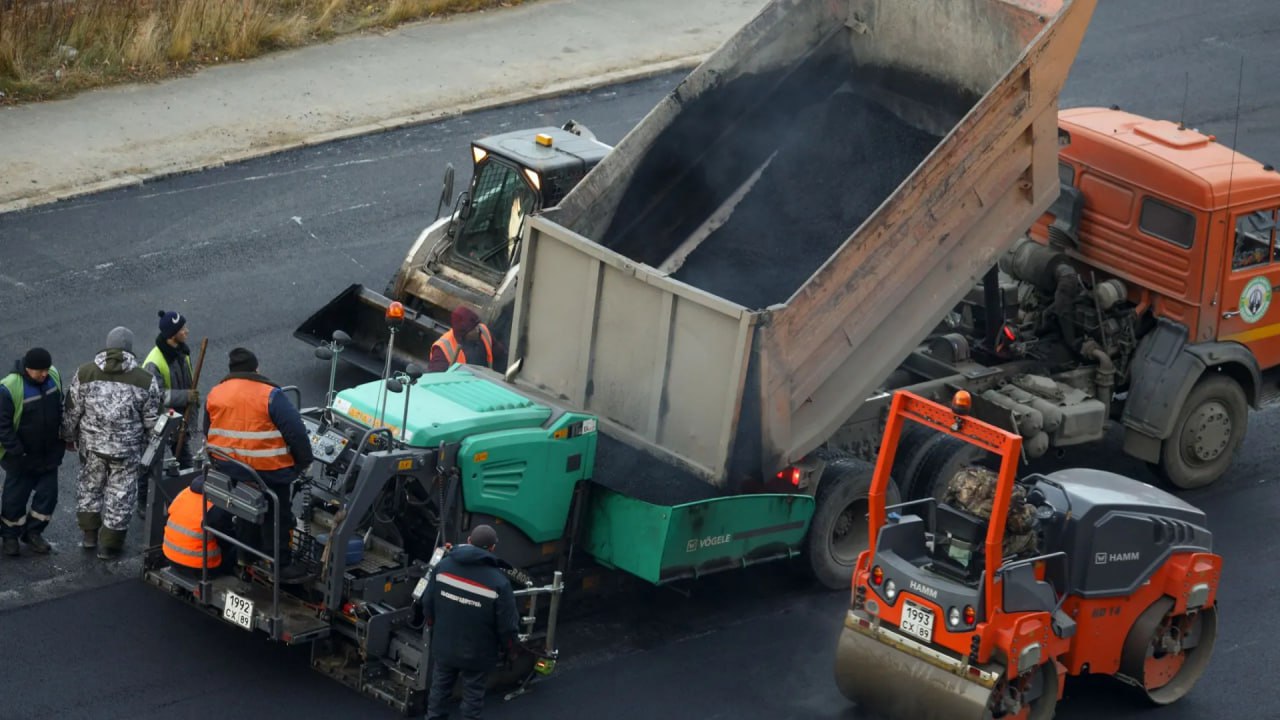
column 520, row 460
column 661, row 543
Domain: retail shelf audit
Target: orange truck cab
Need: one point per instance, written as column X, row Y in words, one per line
column 1189, row 227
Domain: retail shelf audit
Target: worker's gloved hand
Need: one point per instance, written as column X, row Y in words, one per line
column 193, row 398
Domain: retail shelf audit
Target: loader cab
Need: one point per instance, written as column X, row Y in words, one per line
column 515, row 175
column 1188, row 224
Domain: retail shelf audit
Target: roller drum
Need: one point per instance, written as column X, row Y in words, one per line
column 896, row 686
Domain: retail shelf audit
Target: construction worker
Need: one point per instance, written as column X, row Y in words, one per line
column 471, row 610
column 170, row 363
column 468, row 341
column 184, row 541
column 973, row 489
column 30, row 450
column 248, row 418
column 111, row 404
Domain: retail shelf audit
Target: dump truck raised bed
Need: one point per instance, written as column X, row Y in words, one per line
column 646, row 425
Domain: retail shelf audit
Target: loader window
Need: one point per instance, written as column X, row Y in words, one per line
column 1254, row 234
column 499, row 203
column 1168, row 223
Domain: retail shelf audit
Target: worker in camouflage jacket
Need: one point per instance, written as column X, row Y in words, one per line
column 973, row 490
column 111, row 405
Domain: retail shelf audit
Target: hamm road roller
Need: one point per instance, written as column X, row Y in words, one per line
column 1121, row 580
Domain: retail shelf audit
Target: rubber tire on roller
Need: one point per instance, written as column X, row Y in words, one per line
column 841, row 504
column 940, row 463
column 1138, row 642
column 1044, row 707
column 1187, row 473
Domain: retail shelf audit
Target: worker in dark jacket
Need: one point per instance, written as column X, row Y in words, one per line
column 471, row 610
column 467, row 342
column 30, row 450
column 170, row 363
column 250, row 419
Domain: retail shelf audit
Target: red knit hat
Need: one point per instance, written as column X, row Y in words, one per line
column 463, row 319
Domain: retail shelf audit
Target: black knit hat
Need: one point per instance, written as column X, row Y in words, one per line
column 171, row 323
column 242, row 360
column 37, row 358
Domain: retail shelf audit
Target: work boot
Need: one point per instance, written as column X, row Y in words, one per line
column 110, row 543
column 89, row 523
column 37, row 542
column 11, row 547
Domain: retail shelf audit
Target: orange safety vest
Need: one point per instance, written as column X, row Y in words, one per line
column 183, row 534
column 453, row 351
column 240, row 425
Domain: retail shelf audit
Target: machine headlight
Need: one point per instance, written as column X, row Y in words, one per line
column 953, row 617
column 890, row 590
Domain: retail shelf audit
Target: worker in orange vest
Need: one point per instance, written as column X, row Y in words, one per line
column 184, row 542
column 468, row 342
column 251, row 420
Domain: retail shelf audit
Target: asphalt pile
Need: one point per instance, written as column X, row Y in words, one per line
column 839, row 161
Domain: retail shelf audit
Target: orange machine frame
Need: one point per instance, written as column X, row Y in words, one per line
column 1102, row 623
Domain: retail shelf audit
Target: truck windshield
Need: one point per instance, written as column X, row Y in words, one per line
column 499, row 203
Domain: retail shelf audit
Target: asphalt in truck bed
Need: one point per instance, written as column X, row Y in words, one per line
column 841, row 159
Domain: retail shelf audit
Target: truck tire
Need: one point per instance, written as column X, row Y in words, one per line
column 1210, row 427
column 913, row 446
column 838, row 531
column 940, row 463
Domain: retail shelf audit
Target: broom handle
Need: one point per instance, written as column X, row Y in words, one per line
column 195, row 384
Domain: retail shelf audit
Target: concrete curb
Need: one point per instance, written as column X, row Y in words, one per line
column 564, row 87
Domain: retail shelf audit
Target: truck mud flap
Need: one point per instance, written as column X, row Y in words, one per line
column 361, row 313
column 664, row 543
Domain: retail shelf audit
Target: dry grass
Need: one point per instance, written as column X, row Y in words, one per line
column 50, row 48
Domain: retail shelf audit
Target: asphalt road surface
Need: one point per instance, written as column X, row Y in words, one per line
column 248, row 251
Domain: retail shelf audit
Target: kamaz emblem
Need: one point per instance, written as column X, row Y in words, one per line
column 1103, row 558
column 710, row 541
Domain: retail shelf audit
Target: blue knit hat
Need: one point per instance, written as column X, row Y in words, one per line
column 171, row 323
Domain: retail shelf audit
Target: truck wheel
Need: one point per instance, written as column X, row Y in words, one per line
column 838, row 531
column 913, row 446
column 942, row 461
column 1209, row 428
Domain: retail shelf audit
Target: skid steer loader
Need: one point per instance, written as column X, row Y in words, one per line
column 469, row 257
column 1122, row 582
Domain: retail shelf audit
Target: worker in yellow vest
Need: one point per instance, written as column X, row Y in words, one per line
column 30, row 450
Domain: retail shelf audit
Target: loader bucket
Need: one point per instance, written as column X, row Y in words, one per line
column 887, row 682
column 361, row 313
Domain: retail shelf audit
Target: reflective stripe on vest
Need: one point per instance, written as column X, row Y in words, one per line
column 17, row 393
column 156, row 357
column 453, row 351
column 184, row 542
column 240, row 425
